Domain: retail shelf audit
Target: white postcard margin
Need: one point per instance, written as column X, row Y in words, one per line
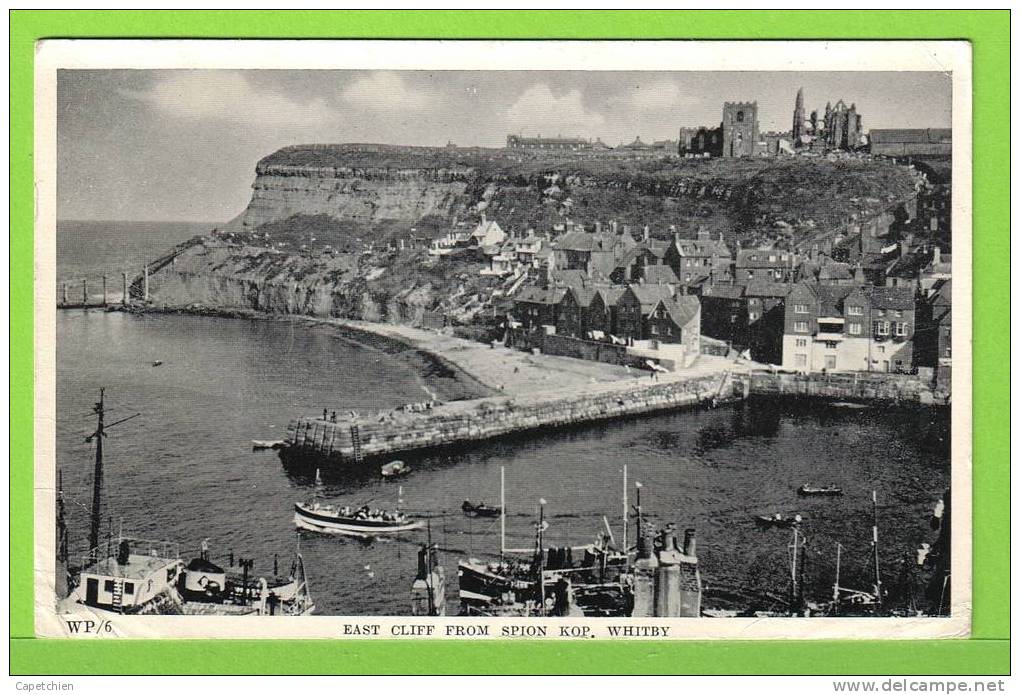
column 821, row 56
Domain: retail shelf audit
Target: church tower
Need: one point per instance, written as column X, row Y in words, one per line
column 740, row 128
column 798, row 116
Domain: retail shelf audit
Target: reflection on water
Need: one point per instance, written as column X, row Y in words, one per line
column 185, row 470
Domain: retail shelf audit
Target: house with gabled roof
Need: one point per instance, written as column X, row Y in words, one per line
column 535, row 307
column 702, row 257
column 847, row 328
column 724, row 313
column 634, row 307
column 765, row 265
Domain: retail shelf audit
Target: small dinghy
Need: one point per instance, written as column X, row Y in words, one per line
column 157, row 363
column 811, row 490
column 363, row 522
column 480, row 509
column 778, row 520
column 260, row 444
column 395, row 469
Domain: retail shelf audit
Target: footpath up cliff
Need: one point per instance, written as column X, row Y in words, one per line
column 341, row 230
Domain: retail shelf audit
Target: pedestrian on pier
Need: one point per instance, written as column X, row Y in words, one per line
column 325, row 412
column 332, row 416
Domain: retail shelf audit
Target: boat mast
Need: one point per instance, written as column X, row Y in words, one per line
column 794, row 603
column 97, row 476
column 835, row 586
column 502, row 513
column 428, row 568
column 874, row 544
column 626, row 509
column 541, row 555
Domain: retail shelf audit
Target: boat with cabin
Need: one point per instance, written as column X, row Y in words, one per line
column 363, row 521
column 145, row 577
column 480, row 509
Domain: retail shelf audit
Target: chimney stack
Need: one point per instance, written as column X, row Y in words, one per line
column 690, row 544
column 612, row 227
column 937, row 258
column 647, row 234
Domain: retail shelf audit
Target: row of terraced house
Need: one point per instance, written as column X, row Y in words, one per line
column 869, row 301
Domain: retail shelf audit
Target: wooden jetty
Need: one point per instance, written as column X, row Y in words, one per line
column 353, row 438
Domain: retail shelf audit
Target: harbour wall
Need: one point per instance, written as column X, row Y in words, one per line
column 849, row 386
column 354, row 437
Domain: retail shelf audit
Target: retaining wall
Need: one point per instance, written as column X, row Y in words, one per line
column 361, row 437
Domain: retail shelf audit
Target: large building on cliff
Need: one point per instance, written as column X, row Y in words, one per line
column 736, row 136
column 561, row 144
column 839, row 128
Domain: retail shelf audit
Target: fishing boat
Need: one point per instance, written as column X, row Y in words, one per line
column 395, row 469
column 541, row 580
column 262, row 444
column 812, row 490
column 778, row 520
column 363, row 521
column 130, row 576
column 480, row 509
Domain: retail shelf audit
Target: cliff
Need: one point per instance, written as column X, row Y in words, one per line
column 314, row 237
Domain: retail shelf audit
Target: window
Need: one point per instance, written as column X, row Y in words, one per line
column 880, row 312
column 898, row 314
column 801, row 342
column 901, row 328
column 881, row 328
column 740, row 116
column 800, row 308
column 881, row 349
column 830, row 361
column 752, row 316
column 129, row 587
column 108, row 586
column 855, row 328
column 854, row 311
column 800, row 326
column 655, row 329
column 772, row 259
column 800, row 360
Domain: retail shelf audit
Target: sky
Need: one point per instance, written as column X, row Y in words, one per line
column 181, row 145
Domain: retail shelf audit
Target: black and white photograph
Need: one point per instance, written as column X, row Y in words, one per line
column 497, row 340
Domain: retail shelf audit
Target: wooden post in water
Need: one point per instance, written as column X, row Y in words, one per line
column 84, row 292
column 124, row 297
column 145, row 283
column 64, row 293
column 104, row 290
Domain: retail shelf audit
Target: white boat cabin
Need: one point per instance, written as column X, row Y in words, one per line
column 128, row 581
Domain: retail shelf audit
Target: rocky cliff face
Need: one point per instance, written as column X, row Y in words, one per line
column 309, row 241
column 366, row 201
column 226, row 276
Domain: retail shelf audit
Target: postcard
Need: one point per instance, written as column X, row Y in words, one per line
column 503, row 339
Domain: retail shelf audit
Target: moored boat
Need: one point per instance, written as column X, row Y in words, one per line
column 348, row 521
column 262, row 444
column 480, row 509
column 778, row 520
column 395, row 469
column 828, row 490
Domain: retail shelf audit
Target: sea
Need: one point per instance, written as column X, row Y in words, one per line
column 183, row 470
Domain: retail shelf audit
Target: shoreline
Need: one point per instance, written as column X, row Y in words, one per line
column 439, row 377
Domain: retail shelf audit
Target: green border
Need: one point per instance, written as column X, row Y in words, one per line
column 987, row 652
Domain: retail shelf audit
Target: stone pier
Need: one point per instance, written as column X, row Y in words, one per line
column 355, row 437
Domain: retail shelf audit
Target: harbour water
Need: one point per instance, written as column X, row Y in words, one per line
column 185, row 471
